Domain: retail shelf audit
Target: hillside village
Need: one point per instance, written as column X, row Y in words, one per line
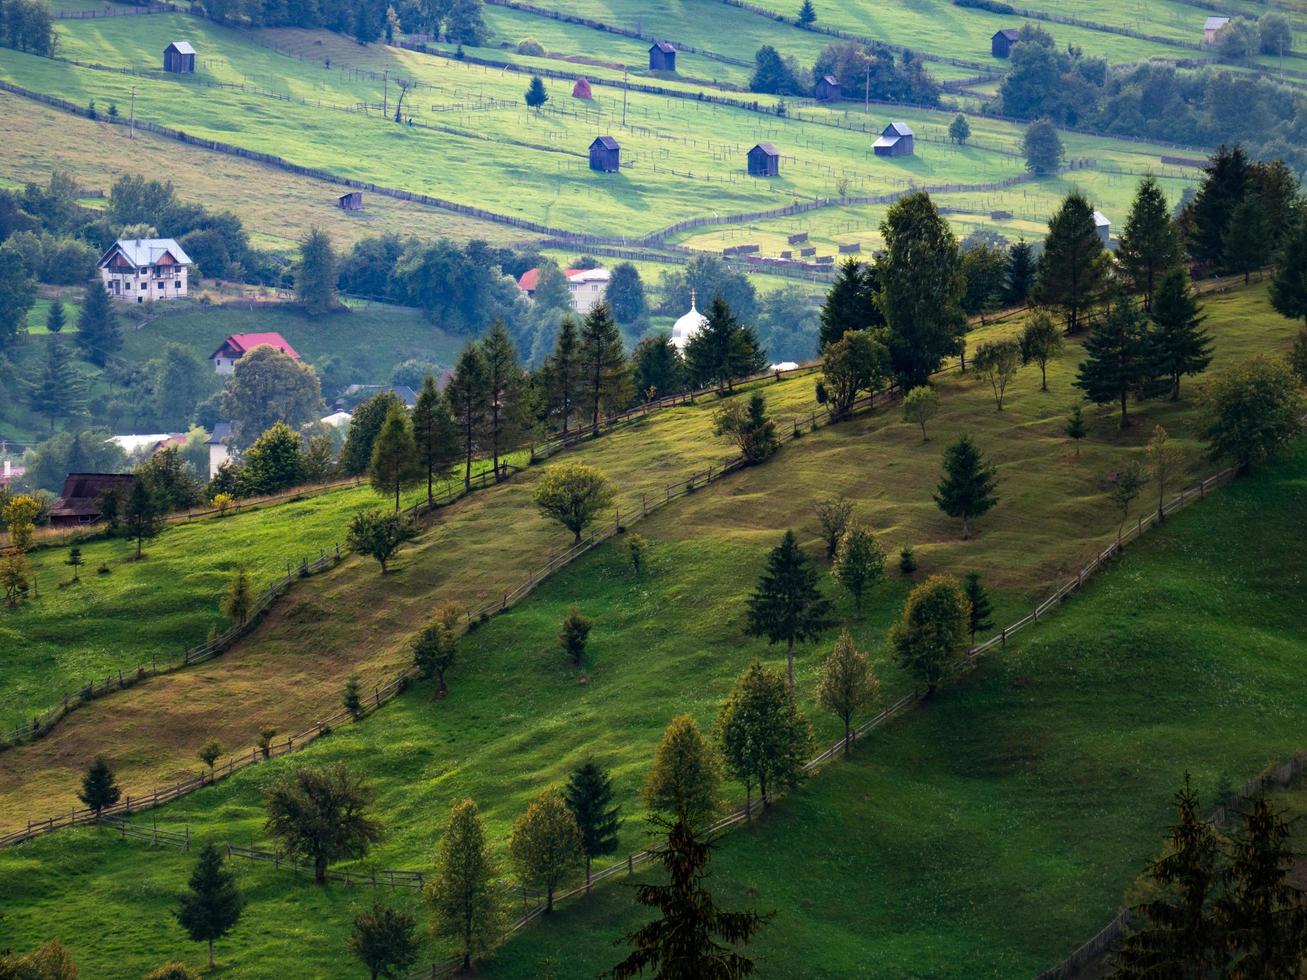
column 636, row 489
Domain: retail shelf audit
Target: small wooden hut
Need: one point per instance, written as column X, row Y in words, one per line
column 662, row 57
column 1000, row 45
column 353, row 201
column 828, row 89
column 764, row 161
column 605, row 155
column 179, row 58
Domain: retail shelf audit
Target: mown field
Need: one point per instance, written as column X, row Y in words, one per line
column 985, row 833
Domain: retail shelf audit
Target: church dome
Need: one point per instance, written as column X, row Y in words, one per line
column 688, row 325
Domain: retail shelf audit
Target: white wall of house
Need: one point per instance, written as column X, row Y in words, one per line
column 588, row 289
column 218, row 455
column 222, row 364
column 145, row 285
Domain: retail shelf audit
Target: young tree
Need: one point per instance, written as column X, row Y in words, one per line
column 1180, row 344
column 173, row 971
column 764, row 737
column 142, row 518
column 692, row 937
column 435, row 648
column 998, row 361
column 209, row 753
column 686, row 773
column 1020, row 273
column 379, row 535
column 1150, row 246
column 212, row 905
column 929, row 638
column 99, row 335
column 1124, row 487
column 546, row 844
column 507, row 416
column 605, row 379
column 968, row 487
column 573, row 494
column 1289, row 286
column 1165, row 461
column 921, row 285
column 1043, row 148
column 978, row 617
column 852, row 364
column 1253, row 411
column 562, row 374
column 468, row 394
column 316, row 273
column 787, row 606
column 435, row 437
column 14, row 572
column 56, row 317
column 1298, row 356
column 1040, row 342
column 394, row 465
column 636, row 546
column 576, row 629
column 850, row 303
column 463, row 896
column 321, row 815
column 1120, row 358
column 1075, row 425
column 589, row 795
column 847, row 684
column 352, row 700
column 536, row 96
column 99, row 788
column 749, row 428
column 807, row 13
column 1180, row 932
column 859, row 562
column 58, row 390
column 959, row 130
column 20, row 515
column 833, row 514
column 75, row 562
column 723, row 350
column 920, row 405
column 384, row 940
column 1071, row 273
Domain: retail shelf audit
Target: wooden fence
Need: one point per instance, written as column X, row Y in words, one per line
column 154, row 8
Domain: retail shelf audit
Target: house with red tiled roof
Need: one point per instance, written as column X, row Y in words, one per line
column 239, row 344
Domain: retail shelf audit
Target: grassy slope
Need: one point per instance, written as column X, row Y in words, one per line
column 943, row 848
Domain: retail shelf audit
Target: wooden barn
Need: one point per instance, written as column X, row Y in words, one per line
column 353, row 201
column 1212, row 27
column 179, row 57
column 828, row 89
column 662, row 57
column 1000, row 45
column 605, row 155
column 581, row 90
column 81, row 501
column 764, row 161
column 895, row 141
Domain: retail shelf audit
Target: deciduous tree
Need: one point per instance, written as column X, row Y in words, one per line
column 764, row 737
column 321, row 815
column 833, row 514
column 683, row 782
column 1124, row 487
column 546, row 844
column 572, row 637
column 1043, row 148
column 1253, row 410
column 847, row 684
column 859, row 562
column 463, row 896
column 436, row 647
column 573, row 494
column 379, row 535
column 267, row 387
column 930, row 636
column 920, row 405
column 749, row 428
column 856, row 362
column 384, row 940
column 998, row 361
column 1040, row 342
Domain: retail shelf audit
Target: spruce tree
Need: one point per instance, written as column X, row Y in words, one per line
column 589, row 795
column 968, row 487
column 1224, row 183
column 56, row 317
column 316, row 273
column 807, row 13
column 99, row 335
column 1120, row 359
column 723, row 350
column 506, row 391
column 562, row 374
column 467, row 399
column 1149, row 245
column 1180, row 344
column 1249, row 238
column 212, row 906
column 1020, row 273
column 850, row 302
column 141, row 516
column 978, row 619
column 59, row 390
column 1075, row 425
column 787, row 606
column 1289, row 287
column 764, row 737
column 99, row 788
column 1072, row 271
column 463, row 895
column 536, row 96
column 605, row 379
column 435, row 436
column 394, row 466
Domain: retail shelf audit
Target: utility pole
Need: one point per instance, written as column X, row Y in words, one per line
column 385, row 92
column 623, row 96
column 131, row 127
column 866, row 92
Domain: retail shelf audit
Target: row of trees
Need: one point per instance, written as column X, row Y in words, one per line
column 863, row 70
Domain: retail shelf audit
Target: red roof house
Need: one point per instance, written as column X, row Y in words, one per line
column 531, row 278
column 239, row 344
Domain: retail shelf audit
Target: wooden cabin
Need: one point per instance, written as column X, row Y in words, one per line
column 605, row 155
column 1212, row 27
column 828, row 89
column 895, row 141
column 764, row 161
column 179, row 58
column 662, row 57
column 80, row 502
column 1000, row 45
column 353, row 201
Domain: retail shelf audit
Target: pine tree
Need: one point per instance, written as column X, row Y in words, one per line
column 750, row 428
column 536, row 96
column 978, row 619
column 1224, row 182
column 394, row 466
column 59, row 390
column 467, row 398
column 506, row 416
column 1180, row 935
column 562, row 374
column 850, row 302
column 1120, row 359
column 589, row 795
column 352, row 699
column 1072, row 270
column 787, row 606
column 683, row 782
column 75, row 562
column 316, row 274
column 56, row 317
column 1180, row 344
column 212, row 906
column 1149, row 244
column 764, row 737
column 859, row 562
column 846, row 684
column 1020, row 273
column 463, row 895
column 99, row 335
column 967, row 489
column 723, row 350
column 692, row 937
column 1248, row 239
column 142, row 517
column 435, row 436
column 1075, row 425
column 807, row 13
column 99, row 788
column 1289, row 287
column 604, row 380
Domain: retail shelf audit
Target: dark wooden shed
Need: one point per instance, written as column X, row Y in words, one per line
column 764, row 161
column 605, row 155
column 896, row 141
column 179, row 57
column 353, row 201
column 80, row 503
column 662, row 57
column 1000, row 45
column 828, row 89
